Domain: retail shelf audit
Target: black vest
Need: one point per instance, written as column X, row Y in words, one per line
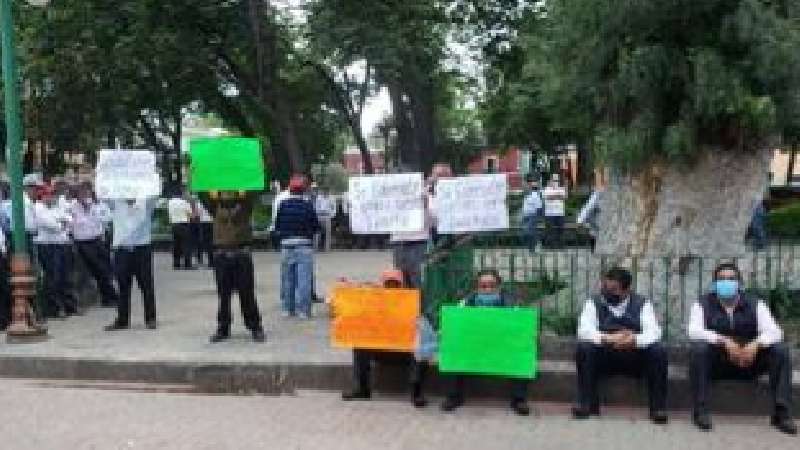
column 742, row 325
column 630, row 320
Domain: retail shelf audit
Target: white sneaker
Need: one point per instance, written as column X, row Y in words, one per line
column 304, row 316
column 285, row 314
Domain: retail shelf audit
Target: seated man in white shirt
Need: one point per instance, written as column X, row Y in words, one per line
column 618, row 334
column 735, row 337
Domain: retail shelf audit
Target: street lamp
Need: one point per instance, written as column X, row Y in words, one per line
column 22, row 280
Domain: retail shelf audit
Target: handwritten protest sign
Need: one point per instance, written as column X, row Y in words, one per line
column 227, row 164
column 489, row 341
column 375, row 318
column 126, row 174
column 382, row 204
column 469, row 204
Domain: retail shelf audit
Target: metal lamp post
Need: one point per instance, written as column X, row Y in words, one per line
column 23, row 283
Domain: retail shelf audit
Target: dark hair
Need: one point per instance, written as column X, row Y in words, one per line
column 620, row 275
column 492, row 272
column 727, row 266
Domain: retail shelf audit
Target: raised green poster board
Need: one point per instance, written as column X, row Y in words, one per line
column 227, row 164
column 489, row 341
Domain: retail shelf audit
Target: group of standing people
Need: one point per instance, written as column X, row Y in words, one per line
column 548, row 204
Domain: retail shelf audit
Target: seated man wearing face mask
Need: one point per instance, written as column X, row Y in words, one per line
column 618, row 333
column 735, row 337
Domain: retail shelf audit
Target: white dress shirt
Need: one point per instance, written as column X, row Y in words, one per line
column 532, row 204
column 89, row 222
column 554, row 206
column 589, row 327
column 52, row 224
column 769, row 333
column 132, row 223
column 30, row 220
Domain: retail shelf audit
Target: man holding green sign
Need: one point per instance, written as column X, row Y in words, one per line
column 484, row 317
column 226, row 168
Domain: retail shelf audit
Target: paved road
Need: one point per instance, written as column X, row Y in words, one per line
column 43, row 415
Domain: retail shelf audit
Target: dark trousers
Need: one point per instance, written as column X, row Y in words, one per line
column 555, row 230
column 129, row 263
column 5, row 293
column 710, row 362
column 519, row 388
column 95, row 256
column 57, row 288
column 204, row 233
column 362, row 371
column 182, row 245
column 234, row 273
column 595, row 362
column 408, row 258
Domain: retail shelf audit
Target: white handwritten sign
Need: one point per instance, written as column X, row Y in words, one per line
column 126, row 174
column 381, row 204
column 474, row 203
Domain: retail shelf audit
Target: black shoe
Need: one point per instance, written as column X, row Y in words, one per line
column 702, row 421
column 520, row 407
column 108, row 305
column 116, row 326
column 451, row 404
column 259, row 336
column 151, row 325
column 419, row 401
column 581, row 412
column 659, row 417
column 358, row 394
column 785, row 424
column 219, row 336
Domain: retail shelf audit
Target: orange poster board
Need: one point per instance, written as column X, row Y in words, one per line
column 375, row 318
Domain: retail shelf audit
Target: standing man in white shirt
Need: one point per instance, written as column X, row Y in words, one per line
column 618, row 333
column 133, row 258
column 735, row 336
column 325, row 206
column 89, row 220
column 180, row 216
column 531, row 213
column 53, row 242
column 555, row 197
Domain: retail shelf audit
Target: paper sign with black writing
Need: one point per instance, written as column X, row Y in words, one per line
column 381, row 204
column 126, row 174
column 473, row 203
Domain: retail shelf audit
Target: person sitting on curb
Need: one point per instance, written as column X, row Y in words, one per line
column 735, row 337
column 488, row 294
column 618, row 333
column 362, row 359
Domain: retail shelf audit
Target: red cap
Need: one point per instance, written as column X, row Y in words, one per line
column 297, row 184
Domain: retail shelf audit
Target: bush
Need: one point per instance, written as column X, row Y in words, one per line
column 785, row 221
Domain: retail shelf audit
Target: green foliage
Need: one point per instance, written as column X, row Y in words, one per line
column 785, row 221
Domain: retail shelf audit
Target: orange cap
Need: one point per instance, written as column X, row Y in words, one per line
column 392, row 275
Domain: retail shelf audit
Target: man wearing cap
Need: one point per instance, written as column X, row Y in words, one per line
column 53, row 242
column 89, row 220
column 296, row 224
column 133, row 258
column 233, row 262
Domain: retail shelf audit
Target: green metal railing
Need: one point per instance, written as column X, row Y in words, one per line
column 559, row 281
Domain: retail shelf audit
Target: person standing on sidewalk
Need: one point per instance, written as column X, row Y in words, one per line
column 325, row 207
column 204, row 233
column 52, row 243
column 133, row 258
column 180, row 217
column 233, row 262
column 531, row 213
column 734, row 336
column 296, row 224
column 555, row 197
column 89, row 219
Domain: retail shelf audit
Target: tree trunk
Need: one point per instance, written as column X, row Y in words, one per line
column 409, row 156
column 699, row 210
column 176, row 147
column 792, row 160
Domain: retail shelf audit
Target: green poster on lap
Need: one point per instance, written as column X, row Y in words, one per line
column 226, row 164
column 489, row 341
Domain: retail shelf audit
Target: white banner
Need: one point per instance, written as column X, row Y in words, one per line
column 126, row 174
column 381, row 204
column 473, row 203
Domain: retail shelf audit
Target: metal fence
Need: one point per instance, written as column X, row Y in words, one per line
column 559, row 281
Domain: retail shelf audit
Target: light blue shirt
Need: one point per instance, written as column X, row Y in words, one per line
column 133, row 223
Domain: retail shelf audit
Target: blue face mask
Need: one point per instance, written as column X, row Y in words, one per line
column 482, row 299
column 726, row 290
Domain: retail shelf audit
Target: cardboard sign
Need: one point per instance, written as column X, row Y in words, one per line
column 227, row 164
column 126, row 174
column 381, row 204
column 489, row 341
column 375, row 318
column 469, row 204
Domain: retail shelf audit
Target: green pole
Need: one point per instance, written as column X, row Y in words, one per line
column 13, row 126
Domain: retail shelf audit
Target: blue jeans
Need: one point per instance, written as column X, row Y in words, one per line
column 297, row 270
column 531, row 224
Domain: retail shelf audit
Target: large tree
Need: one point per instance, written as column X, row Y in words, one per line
column 685, row 99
